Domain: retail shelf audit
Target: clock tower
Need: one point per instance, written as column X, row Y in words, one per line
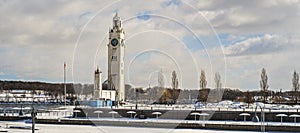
column 116, row 59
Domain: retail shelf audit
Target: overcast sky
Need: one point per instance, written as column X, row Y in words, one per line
column 235, row 38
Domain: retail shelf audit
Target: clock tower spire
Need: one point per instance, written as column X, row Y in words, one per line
column 116, row 59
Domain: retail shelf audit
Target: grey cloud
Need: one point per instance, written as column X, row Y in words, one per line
column 253, row 16
column 258, row 45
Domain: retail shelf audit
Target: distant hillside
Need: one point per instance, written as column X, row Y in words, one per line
column 24, row 85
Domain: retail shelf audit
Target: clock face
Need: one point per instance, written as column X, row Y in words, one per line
column 114, row 42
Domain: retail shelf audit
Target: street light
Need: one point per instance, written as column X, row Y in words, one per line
column 113, row 113
column 98, row 112
column 203, row 114
column 136, row 97
column 255, row 117
column 281, row 115
column 156, row 113
column 244, row 114
column 131, row 112
column 33, row 116
column 76, row 111
column 295, row 117
column 195, row 114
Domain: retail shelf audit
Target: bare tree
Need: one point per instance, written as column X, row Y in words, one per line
column 203, row 81
column 161, row 85
column 295, row 82
column 174, row 80
column 166, row 97
column 174, row 84
column 218, row 80
column 218, row 85
column 202, row 94
column 161, row 81
column 264, row 84
column 248, row 98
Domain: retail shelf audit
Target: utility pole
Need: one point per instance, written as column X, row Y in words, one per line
column 65, row 87
column 33, row 116
column 136, row 97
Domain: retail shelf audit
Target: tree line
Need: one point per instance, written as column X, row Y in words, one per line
column 161, row 94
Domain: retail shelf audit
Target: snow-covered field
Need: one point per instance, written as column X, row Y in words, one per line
column 51, row 128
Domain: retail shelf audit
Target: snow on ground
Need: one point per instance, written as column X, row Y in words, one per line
column 193, row 121
column 52, row 128
column 221, row 106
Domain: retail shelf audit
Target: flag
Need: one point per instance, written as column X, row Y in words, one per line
column 65, row 65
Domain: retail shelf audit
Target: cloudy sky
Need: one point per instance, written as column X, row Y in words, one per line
column 235, row 38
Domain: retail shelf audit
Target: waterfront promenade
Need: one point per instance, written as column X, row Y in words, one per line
column 220, row 118
column 180, row 124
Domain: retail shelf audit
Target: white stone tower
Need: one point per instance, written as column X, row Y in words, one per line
column 97, row 85
column 116, row 58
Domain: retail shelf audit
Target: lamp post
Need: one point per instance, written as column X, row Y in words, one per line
column 295, row 117
column 281, row 115
column 65, row 86
column 136, row 97
column 195, row 114
column 256, row 119
column 33, row 116
column 203, row 121
column 244, row 115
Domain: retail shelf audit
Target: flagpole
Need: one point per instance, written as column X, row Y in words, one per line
column 65, row 87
